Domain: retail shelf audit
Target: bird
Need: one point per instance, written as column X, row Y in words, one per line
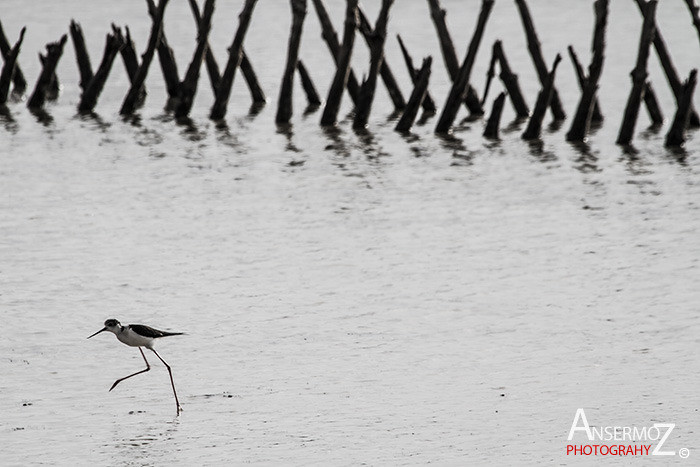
column 139, row 335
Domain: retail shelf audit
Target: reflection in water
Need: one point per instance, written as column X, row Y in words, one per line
column 95, row 120
column 190, row 129
column 586, row 162
column 516, row 126
column 460, row 153
column 369, row 145
column 42, row 116
column 7, row 120
column 286, row 130
column 147, row 442
column 536, row 148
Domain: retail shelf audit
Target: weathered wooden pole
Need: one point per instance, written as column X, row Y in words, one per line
column 187, row 88
column 582, row 118
column 533, row 45
column 694, row 14
column 91, row 92
column 510, row 82
column 384, row 70
column 256, row 93
column 223, row 92
column 131, row 62
column 342, row 72
column 8, row 68
column 544, row 99
column 81, row 54
column 376, row 46
column 428, row 102
column 596, row 115
column 284, row 103
column 20, row 83
column 54, row 50
column 331, row 38
column 639, row 75
column 491, row 130
column 459, row 86
column 676, row 135
column 307, row 83
column 669, row 69
column 132, row 97
column 652, row 105
column 449, row 55
column 166, row 57
column 420, row 91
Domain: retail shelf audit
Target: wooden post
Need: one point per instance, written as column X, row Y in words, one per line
column 223, row 92
column 376, row 46
column 676, row 135
column 597, row 115
column 311, row 94
column 652, row 105
column 8, row 68
column 694, row 14
column 639, row 75
column 329, row 35
column 582, row 119
column 343, row 71
column 166, row 57
column 491, row 130
column 132, row 97
column 459, row 87
column 54, row 50
column 81, row 54
column 94, row 87
column 20, row 83
column 534, row 126
column 510, row 82
column 428, row 102
column 187, row 88
column 384, row 70
column 670, row 70
column 533, row 45
column 131, row 62
column 420, row 90
column 256, row 93
column 284, row 103
column 449, row 55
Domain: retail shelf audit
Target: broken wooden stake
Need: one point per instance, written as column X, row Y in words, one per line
column 544, row 99
column 669, row 69
column 18, row 80
column 223, row 92
column 676, row 135
column 132, row 97
column 8, row 68
column 54, row 50
column 428, row 102
column 510, row 82
column 471, row 101
column 384, row 70
column 284, row 103
column 491, row 130
column 639, row 75
column 343, row 56
column 92, row 90
column 597, row 115
column 582, row 118
column 420, row 91
column 376, row 46
column 312, row 96
column 533, row 45
column 459, row 86
column 652, row 105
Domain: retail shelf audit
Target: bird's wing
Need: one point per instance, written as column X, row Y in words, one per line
column 150, row 332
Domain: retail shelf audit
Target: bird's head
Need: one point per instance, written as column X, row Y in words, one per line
column 111, row 325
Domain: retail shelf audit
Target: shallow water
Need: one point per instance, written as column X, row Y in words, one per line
column 347, row 298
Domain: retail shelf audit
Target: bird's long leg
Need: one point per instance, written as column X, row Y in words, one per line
column 179, row 408
column 148, row 367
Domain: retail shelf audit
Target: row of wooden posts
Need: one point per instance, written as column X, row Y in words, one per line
column 181, row 92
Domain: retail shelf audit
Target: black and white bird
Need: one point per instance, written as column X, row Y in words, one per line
column 138, row 335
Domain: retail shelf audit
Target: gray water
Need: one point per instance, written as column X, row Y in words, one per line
column 347, row 298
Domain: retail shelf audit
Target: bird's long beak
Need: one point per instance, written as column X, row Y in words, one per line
column 103, row 329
